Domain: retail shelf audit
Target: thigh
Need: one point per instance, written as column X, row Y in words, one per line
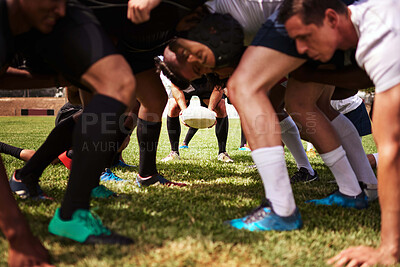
column 261, row 68
column 302, row 94
column 151, row 95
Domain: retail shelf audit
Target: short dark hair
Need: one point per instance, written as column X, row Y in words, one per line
column 310, row 11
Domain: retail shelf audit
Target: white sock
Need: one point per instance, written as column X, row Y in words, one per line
column 351, row 143
column 309, row 146
column 291, row 138
column 271, row 165
column 376, row 158
column 339, row 165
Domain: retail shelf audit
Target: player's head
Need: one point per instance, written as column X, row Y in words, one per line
column 216, row 43
column 40, row 14
column 314, row 25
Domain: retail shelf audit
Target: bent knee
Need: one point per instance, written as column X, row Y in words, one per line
column 112, row 76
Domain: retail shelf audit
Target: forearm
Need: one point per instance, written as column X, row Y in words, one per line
column 350, row 77
column 22, row 79
column 179, row 97
column 215, row 97
column 387, row 135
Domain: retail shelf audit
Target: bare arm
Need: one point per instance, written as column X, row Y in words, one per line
column 351, row 77
column 139, row 10
column 387, row 135
column 22, row 79
column 215, row 97
column 179, row 97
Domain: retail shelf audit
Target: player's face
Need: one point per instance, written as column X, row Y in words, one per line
column 43, row 14
column 316, row 41
column 192, row 59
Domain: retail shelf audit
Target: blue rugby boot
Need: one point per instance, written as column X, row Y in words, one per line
column 263, row 218
column 109, row 176
column 183, row 146
column 338, row 199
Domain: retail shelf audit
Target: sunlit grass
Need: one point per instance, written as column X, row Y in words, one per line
column 184, row 226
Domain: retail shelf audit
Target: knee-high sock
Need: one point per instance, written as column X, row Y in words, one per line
column 148, row 134
column 221, row 131
column 174, row 132
column 96, row 139
column 271, row 165
column 339, row 165
column 351, row 143
column 291, row 138
column 243, row 140
column 10, row 150
column 127, row 132
column 189, row 135
column 58, row 141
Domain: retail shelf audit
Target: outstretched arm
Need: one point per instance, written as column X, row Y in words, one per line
column 22, row 79
column 387, row 135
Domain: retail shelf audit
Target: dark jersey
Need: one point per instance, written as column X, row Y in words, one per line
column 140, row 43
column 80, row 38
column 202, row 88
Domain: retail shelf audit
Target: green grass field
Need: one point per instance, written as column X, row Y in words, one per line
column 184, row 226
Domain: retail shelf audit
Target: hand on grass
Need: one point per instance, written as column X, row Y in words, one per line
column 28, row 252
column 362, row 256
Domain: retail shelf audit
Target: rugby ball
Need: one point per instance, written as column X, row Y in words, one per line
column 198, row 117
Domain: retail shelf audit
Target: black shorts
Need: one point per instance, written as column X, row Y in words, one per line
column 140, row 60
column 273, row 34
column 67, row 111
column 76, row 43
column 360, row 118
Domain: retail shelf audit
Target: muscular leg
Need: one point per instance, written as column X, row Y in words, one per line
column 173, row 124
column 221, row 128
column 301, row 101
column 97, row 135
column 351, row 142
column 290, row 134
column 153, row 98
column 174, row 130
column 248, row 88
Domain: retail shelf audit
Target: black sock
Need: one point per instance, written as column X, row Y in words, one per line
column 174, row 132
column 10, row 150
column 96, row 139
column 189, row 135
column 243, row 140
column 221, row 131
column 148, row 134
column 129, row 126
column 58, row 141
